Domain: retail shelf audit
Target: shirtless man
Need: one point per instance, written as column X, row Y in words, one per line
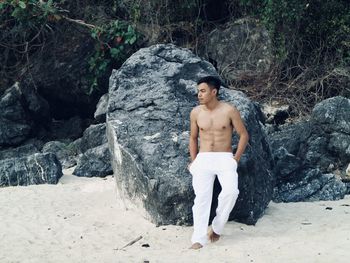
column 214, row 122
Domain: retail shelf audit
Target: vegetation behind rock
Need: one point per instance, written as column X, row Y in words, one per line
column 311, row 41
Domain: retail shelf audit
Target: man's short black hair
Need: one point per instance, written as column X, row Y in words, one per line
column 211, row 81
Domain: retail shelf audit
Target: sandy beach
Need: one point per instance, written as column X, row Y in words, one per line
column 80, row 220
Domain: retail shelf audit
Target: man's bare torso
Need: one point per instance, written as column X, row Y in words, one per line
column 215, row 128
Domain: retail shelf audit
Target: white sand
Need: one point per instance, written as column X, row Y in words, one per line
column 80, row 220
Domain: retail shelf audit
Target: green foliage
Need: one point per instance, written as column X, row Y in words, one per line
column 25, row 24
column 304, row 30
column 159, row 12
column 23, row 19
column 29, row 12
column 115, row 42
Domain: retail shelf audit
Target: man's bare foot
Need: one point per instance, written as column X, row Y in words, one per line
column 196, row 246
column 213, row 237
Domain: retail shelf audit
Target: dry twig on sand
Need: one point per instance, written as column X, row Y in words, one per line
column 130, row 243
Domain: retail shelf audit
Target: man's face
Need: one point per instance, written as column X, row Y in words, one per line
column 205, row 93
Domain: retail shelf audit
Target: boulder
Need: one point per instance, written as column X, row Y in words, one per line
column 292, row 137
column 333, row 115
column 33, row 169
column 14, row 125
column 23, row 112
column 65, row 154
column 94, row 162
column 321, row 143
column 313, row 186
column 241, row 50
column 93, row 136
column 150, row 99
column 20, row 151
column 297, row 181
column 91, row 152
column 76, row 146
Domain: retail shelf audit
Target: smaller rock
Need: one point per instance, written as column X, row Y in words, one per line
column 285, row 163
column 332, row 189
column 76, row 146
column 93, row 136
column 18, row 152
column 310, row 185
column 33, row 169
column 64, row 152
column 94, row 162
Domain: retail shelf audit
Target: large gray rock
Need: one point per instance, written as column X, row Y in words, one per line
column 322, row 143
column 150, row 99
column 241, row 50
column 34, row 169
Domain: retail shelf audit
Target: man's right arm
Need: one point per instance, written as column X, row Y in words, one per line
column 193, row 145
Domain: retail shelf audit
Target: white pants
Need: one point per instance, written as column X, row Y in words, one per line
column 204, row 170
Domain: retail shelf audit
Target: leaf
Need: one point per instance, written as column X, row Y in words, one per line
column 22, row 4
column 114, row 52
column 94, row 34
column 16, row 12
column 132, row 40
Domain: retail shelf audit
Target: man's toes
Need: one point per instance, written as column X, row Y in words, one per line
column 213, row 237
column 196, row 246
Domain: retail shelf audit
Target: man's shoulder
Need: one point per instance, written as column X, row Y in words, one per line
column 229, row 107
column 196, row 109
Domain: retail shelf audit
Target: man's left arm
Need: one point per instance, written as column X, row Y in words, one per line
column 238, row 125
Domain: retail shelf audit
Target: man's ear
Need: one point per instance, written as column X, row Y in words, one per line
column 215, row 91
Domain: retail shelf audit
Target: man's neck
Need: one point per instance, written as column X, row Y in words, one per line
column 212, row 105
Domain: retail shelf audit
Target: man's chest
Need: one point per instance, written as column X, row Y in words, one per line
column 207, row 122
